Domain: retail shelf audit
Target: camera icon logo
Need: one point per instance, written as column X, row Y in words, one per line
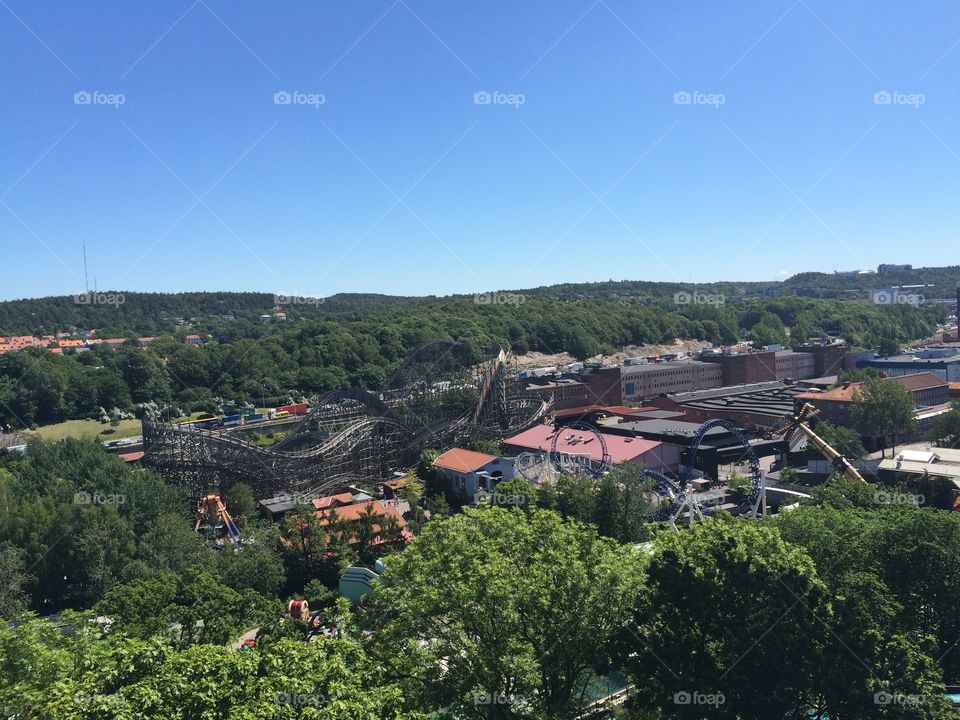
column 883, row 297
column 482, row 97
column 282, row 97
column 82, row 97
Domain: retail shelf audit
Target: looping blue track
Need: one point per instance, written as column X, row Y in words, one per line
column 677, row 491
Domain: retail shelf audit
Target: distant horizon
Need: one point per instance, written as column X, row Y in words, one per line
column 865, row 271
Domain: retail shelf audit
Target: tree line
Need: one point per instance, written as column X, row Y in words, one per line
column 268, row 365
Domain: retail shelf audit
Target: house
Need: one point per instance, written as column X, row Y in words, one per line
column 72, row 345
column 332, row 501
column 145, row 341
column 468, row 470
column 193, row 340
column 392, row 488
column 653, row 455
column 351, row 515
column 266, row 318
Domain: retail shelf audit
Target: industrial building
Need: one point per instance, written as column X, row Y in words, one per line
column 639, row 382
column 754, row 405
column 567, row 392
column 942, row 360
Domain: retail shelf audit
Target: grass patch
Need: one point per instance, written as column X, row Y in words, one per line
column 88, row 429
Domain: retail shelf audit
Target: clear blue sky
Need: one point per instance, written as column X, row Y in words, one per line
column 400, row 183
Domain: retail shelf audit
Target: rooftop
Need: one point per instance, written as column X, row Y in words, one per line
column 651, row 367
column 844, row 393
column 582, row 443
column 684, row 397
column 669, row 427
column 463, row 461
column 903, row 358
column 621, row 410
column 329, row 501
column 773, row 398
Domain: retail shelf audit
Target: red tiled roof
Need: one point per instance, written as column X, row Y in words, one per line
column 352, row 513
column 332, row 501
column 582, row 443
column 131, row 456
column 460, row 460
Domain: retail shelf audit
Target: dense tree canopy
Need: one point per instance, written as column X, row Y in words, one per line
column 324, row 347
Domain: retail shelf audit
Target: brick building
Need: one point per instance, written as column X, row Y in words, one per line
column 794, row 365
column 603, row 385
column 827, row 357
column 640, row 382
column 567, row 392
column 928, row 389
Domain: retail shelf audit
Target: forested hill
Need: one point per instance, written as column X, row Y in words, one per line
column 121, row 313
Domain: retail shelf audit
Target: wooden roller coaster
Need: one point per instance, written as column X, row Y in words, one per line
column 444, row 394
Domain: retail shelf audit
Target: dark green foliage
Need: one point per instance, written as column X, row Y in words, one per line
column 331, row 346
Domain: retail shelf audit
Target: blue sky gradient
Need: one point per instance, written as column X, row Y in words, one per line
column 786, row 159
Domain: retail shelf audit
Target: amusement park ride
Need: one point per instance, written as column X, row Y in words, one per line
column 316, row 623
column 682, row 503
column 212, row 517
column 798, row 422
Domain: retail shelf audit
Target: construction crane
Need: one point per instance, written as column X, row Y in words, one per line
column 212, row 509
column 798, row 422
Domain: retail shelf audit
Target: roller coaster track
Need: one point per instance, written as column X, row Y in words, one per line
column 438, row 397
